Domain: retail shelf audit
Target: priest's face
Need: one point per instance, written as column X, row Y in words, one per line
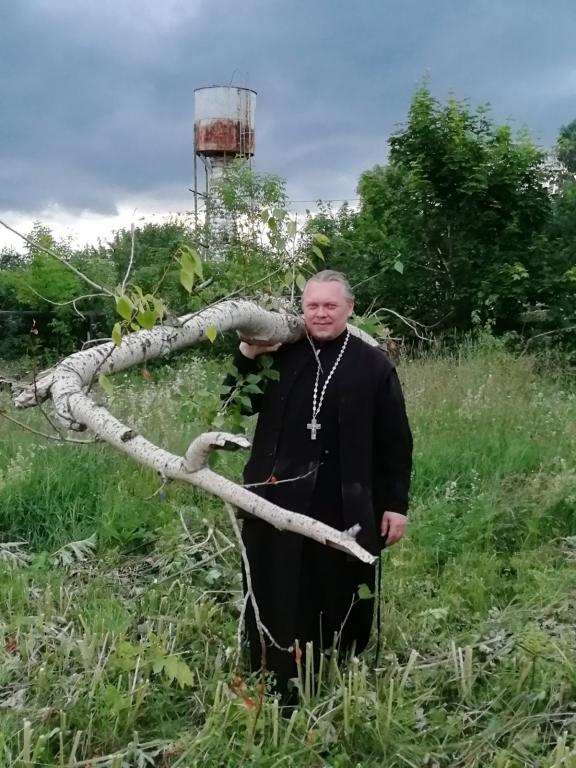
column 326, row 309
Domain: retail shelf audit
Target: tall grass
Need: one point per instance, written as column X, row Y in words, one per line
column 125, row 656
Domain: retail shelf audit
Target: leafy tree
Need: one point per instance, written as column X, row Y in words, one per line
column 448, row 231
column 238, row 199
column 253, row 245
column 10, row 261
column 155, row 266
column 246, row 221
column 46, row 284
column 558, row 268
column 10, row 258
column 37, row 282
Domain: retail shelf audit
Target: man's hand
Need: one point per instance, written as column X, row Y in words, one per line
column 393, row 527
column 253, row 350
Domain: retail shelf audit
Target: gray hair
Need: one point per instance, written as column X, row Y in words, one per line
column 332, row 276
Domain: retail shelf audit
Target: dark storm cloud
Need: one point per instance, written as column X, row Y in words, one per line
column 97, row 97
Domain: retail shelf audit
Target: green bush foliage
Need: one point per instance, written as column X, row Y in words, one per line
column 463, row 227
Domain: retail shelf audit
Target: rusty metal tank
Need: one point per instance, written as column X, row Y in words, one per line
column 224, row 121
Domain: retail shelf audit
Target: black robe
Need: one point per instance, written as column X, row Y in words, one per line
column 358, row 467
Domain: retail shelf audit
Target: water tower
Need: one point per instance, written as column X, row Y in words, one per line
column 224, row 128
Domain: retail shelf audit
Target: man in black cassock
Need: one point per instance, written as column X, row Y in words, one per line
column 334, row 426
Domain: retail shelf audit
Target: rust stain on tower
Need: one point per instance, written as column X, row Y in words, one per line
column 224, row 136
column 224, row 121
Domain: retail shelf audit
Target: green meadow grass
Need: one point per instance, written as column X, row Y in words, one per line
column 119, row 604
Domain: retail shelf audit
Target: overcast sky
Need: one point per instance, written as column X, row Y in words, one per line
column 96, row 96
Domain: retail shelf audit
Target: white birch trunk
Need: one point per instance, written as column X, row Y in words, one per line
column 67, row 385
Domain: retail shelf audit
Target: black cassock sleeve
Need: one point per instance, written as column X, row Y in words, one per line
column 392, row 447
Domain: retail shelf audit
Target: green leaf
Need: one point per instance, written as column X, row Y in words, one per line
column 147, row 319
column 364, row 592
column 300, row 281
column 114, row 700
column 126, row 655
column 291, row 227
column 321, row 238
column 265, row 216
column 317, row 252
column 187, row 279
column 176, row 669
column 197, row 263
column 190, row 259
column 252, row 389
column 245, row 402
column 399, row 266
column 190, row 266
column 158, row 658
column 124, row 307
column 105, row 384
column 117, row 334
column 157, row 663
column 212, row 333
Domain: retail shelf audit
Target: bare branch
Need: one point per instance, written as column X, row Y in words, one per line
column 158, row 491
column 59, row 258
column 131, row 262
column 63, row 303
column 240, row 628
column 42, row 411
column 410, row 323
column 262, row 629
column 91, row 342
column 567, row 329
column 163, row 275
column 100, row 366
column 272, row 481
column 58, row 438
column 78, row 311
column 196, row 456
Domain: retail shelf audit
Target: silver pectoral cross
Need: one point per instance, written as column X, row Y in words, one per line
column 314, row 426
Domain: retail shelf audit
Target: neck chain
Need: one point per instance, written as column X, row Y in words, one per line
column 314, row 425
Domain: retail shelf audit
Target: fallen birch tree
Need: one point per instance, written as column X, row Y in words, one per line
column 68, row 386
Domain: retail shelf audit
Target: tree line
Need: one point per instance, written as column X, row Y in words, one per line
column 468, row 224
